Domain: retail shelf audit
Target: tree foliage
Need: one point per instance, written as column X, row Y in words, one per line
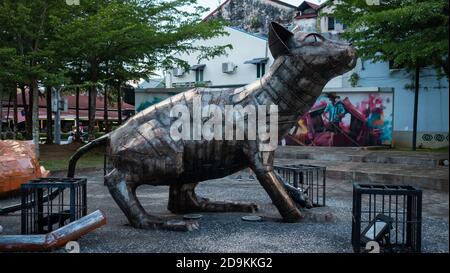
column 133, row 38
column 99, row 42
column 411, row 33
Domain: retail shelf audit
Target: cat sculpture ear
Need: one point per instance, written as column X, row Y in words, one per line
column 278, row 40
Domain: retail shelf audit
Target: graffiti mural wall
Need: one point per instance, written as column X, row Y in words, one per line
column 346, row 119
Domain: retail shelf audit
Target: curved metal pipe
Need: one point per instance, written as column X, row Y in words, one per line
column 54, row 239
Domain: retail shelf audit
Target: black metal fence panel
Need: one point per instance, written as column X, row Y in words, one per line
column 50, row 203
column 310, row 179
column 388, row 214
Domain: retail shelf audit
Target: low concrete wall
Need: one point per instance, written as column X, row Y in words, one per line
column 431, row 140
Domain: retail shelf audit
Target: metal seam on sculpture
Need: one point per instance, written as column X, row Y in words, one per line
column 151, row 143
column 289, row 90
column 269, row 85
column 161, row 119
column 275, row 96
column 126, row 148
column 134, row 151
column 171, row 143
column 299, row 87
column 318, row 85
column 305, row 67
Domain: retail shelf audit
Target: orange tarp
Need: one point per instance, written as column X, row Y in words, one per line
column 18, row 164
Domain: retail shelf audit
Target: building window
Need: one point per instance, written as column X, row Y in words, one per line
column 331, row 23
column 260, row 70
column 199, row 75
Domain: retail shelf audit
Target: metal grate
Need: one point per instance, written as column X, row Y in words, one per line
column 398, row 206
column 50, row 203
column 308, row 178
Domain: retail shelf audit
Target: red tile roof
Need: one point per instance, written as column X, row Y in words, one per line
column 112, row 109
column 84, row 99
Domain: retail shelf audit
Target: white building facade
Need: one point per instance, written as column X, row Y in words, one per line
column 247, row 61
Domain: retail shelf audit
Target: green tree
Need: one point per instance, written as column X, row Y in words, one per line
column 117, row 41
column 8, row 83
column 6, row 59
column 27, row 27
column 99, row 43
column 410, row 33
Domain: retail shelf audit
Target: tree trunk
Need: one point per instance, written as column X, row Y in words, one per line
column 35, row 116
column 77, row 110
column 31, row 94
column 119, row 104
column 1, row 109
column 445, row 66
column 91, row 110
column 26, row 112
column 30, row 123
column 92, row 101
column 105, row 101
column 9, row 107
column 48, row 97
column 416, row 106
column 15, row 118
column 105, row 111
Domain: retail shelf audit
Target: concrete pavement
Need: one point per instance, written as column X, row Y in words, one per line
column 226, row 232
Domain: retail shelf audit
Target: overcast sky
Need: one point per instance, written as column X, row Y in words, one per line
column 212, row 4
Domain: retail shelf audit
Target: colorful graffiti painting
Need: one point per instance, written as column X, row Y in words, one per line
column 346, row 119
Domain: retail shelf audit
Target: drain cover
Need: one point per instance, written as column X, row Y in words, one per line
column 252, row 218
column 192, row 216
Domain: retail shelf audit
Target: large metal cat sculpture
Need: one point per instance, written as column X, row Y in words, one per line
column 143, row 151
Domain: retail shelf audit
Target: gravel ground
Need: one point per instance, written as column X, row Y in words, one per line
column 226, row 232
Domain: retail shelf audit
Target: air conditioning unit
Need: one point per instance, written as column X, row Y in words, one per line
column 178, row 72
column 228, row 68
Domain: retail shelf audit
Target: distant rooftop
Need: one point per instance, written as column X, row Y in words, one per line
column 257, row 35
column 152, row 83
column 306, row 4
column 227, row 1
